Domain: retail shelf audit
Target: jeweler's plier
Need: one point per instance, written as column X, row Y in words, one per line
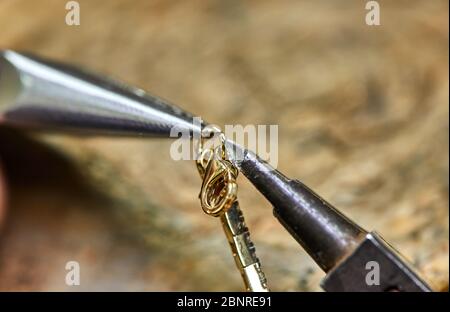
column 41, row 94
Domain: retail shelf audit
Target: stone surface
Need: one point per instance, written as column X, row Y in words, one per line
column 362, row 115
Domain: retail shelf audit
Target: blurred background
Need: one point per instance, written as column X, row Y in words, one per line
column 362, row 114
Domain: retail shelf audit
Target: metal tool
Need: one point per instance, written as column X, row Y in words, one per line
column 40, row 94
column 341, row 248
column 43, row 94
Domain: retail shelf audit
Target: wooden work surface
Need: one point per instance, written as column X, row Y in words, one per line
column 362, row 114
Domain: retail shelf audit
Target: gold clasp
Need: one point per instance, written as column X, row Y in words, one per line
column 219, row 187
column 218, row 197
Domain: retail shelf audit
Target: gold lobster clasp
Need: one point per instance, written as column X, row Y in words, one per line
column 219, row 187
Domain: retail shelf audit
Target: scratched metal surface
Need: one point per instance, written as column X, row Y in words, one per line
column 363, row 117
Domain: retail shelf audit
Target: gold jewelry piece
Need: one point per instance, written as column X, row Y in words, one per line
column 218, row 198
